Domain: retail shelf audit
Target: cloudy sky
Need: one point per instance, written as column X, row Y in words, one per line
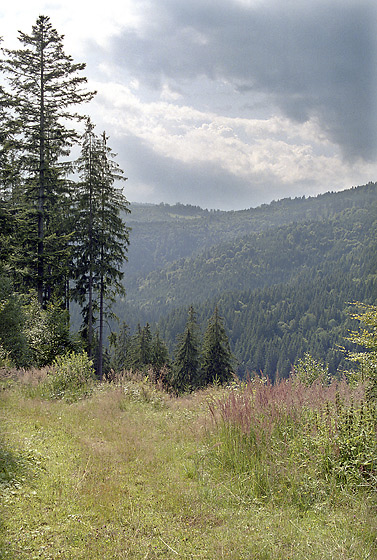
column 225, row 103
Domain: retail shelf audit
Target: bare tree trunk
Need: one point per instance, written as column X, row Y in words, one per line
column 41, row 192
column 100, row 342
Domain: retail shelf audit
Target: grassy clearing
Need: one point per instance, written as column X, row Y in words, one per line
column 133, row 474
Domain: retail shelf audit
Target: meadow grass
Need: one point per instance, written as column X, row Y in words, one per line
column 133, row 473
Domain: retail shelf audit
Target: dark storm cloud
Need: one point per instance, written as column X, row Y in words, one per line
column 309, row 59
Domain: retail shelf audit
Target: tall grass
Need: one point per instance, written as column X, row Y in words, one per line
column 296, row 443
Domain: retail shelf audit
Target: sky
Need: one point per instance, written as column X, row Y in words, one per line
column 225, row 104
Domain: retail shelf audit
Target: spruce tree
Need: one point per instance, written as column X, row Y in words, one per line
column 47, row 86
column 8, row 177
column 85, row 245
column 102, row 238
column 120, row 343
column 186, row 367
column 216, row 356
column 160, row 354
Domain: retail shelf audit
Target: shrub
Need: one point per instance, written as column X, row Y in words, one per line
column 5, row 360
column 13, row 339
column 47, row 332
column 308, row 371
column 71, row 378
column 366, row 339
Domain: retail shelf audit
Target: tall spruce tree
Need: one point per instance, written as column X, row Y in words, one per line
column 85, row 246
column 216, row 356
column 113, row 236
column 102, row 238
column 47, row 87
column 186, row 367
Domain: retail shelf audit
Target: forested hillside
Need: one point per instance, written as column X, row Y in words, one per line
column 162, row 234
column 271, row 328
column 282, row 274
column 260, row 259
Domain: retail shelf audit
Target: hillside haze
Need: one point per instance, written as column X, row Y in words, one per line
column 282, row 273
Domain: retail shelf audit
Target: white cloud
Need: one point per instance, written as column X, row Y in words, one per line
column 256, row 150
column 167, row 94
column 77, row 20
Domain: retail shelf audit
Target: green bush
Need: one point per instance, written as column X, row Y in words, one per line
column 47, row 332
column 71, row 378
column 5, row 360
column 308, row 371
column 365, row 357
column 13, row 339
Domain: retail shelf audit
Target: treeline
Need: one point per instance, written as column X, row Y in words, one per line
column 282, row 292
column 272, row 328
column 197, row 362
column 62, row 239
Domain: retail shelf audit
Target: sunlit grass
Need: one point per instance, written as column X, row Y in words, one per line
column 131, row 473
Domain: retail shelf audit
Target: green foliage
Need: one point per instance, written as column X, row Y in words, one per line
column 162, row 234
column 271, row 329
column 42, row 223
column 13, row 336
column 46, row 87
column 186, row 372
column 160, row 354
column 140, row 352
column 101, row 237
column 30, row 335
column 365, row 337
column 119, row 344
column 224, row 263
column 308, row 370
column 281, row 274
column 47, row 332
column 343, row 437
column 5, row 359
column 144, row 351
column 216, row 354
column 71, row 378
column 296, row 443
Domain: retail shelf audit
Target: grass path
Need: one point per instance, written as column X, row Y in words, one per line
column 117, row 478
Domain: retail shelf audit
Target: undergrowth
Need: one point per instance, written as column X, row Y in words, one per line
column 71, row 377
column 294, row 443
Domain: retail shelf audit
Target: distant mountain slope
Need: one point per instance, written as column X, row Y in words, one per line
column 260, row 259
column 271, row 328
column 162, row 234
